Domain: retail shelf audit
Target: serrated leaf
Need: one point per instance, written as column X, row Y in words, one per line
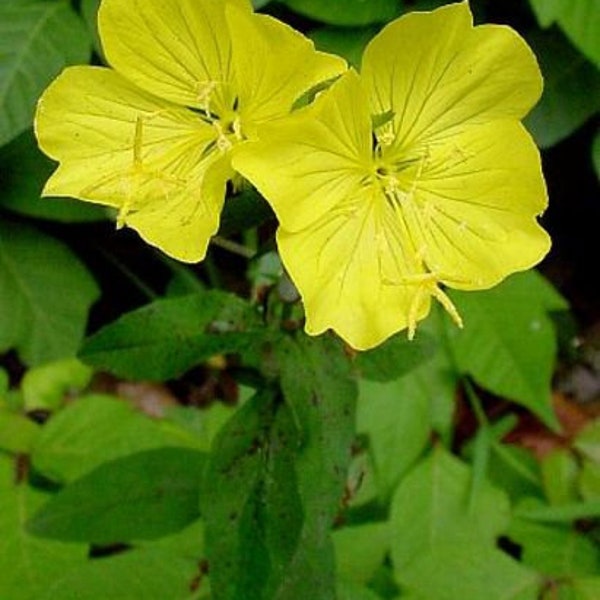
column 141, row 496
column 275, row 480
column 396, row 417
column 166, row 338
column 147, row 574
column 37, row 40
column 28, row 565
column 347, row 12
column 96, row 429
column 349, row 43
column 571, row 89
column 579, row 19
column 395, row 357
column 23, row 173
column 45, row 295
column 508, row 344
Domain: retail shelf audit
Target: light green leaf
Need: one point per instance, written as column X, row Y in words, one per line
column 537, row 511
column 147, row 574
column 347, row 590
column 141, row 496
column 396, row 417
column 23, row 173
column 348, row 43
column 45, row 295
column 589, row 480
column 433, row 506
column 28, row 565
column 45, row 387
column 587, row 588
column 37, row 40
column 347, row 12
column 508, row 344
column 166, row 338
column 559, row 476
column 571, row 89
column 558, row 551
column 96, row 429
column 579, row 19
column 17, row 432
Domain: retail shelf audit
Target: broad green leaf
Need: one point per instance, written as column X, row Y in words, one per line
column 432, row 506
column 348, row 43
column 45, row 387
column 360, row 550
column 168, row 337
column 276, row 477
column 37, row 40
column 557, row 551
column 571, row 89
column 451, row 571
column 579, row 19
column 96, row 429
column 141, row 496
column 17, row 432
column 147, row 574
column 508, row 344
column 347, row 12
column 45, row 295
column 396, row 417
column 395, row 357
column 347, row 590
column 559, row 476
column 89, row 12
column 28, row 565
column 23, row 173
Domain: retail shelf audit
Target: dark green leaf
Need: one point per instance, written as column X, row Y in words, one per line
column 347, row 12
column 395, row 357
column 45, row 295
column 96, row 429
column 349, row 43
column 245, row 210
column 147, row 574
column 141, row 496
column 168, row 337
column 28, row 565
column 23, row 173
column 571, row 89
column 508, row 344
column 37, row 40
column 89, row 12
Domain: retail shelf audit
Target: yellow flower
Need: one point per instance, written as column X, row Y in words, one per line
column 152, row 136
column 414, row 175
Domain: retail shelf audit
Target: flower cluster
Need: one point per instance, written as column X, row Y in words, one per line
column 413, row 176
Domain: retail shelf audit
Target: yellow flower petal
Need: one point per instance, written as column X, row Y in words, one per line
column 179, row 50
column 274, row 65
column 472, row 205
column 436, row 72
column 346, row 267
column 309, row 162
column 124, row 148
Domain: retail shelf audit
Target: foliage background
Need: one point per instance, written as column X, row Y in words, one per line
column 159, row 438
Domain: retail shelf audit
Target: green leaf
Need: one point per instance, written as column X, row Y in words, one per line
column 45, row 295
column 395, row 357
column 28, row 564
column 17, row 432
column 589, row 480
column 37, row 40
column 245, row 210
column 587, row 441
column 580, row 20
column 347, row 590
column 89, row 12
column 276, row 477
column 396, row 417
column 23, row 173
column 96, row 429
column 587, row 588
column 348, row 43
column 433, row 506
column 141, row 496
column 536, row 511
column 558, row 551
column 347, row 12
column 147, row 574
column 571, row 89
column 559, row 476
column 508, row 344
column 166, row 338
column 45, row 387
